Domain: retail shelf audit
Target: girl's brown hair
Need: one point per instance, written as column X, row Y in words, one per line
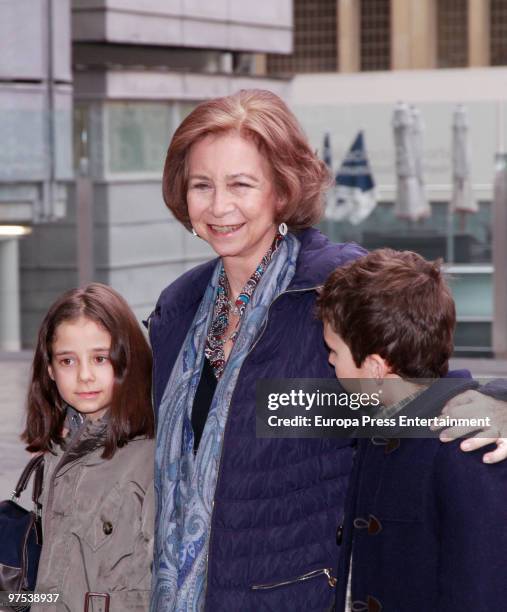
column 300, row 177
column 131, row 413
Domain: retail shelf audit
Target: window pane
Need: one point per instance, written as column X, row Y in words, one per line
column 81, row 133
column 315, row 33
column 452, row 33
column 137, row 136
column 375, row 35
column 498, row 32
column 470, row 233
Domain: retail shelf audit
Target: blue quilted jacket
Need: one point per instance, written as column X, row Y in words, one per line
column 278, row 502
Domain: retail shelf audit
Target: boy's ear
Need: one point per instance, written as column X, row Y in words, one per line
column 376, row 367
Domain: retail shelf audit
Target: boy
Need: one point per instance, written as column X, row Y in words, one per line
column 426, row 526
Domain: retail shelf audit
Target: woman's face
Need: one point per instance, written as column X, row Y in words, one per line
column 231, row 197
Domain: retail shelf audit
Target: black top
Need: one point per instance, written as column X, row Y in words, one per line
column 202, row 401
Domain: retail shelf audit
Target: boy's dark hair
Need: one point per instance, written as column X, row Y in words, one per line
column 131, row 413
column 394, row 304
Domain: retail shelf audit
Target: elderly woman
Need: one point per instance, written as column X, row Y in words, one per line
column 243, row 523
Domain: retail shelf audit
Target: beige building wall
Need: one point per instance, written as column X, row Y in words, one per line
column 348, row 36
column 413, row 34
column 479, row 32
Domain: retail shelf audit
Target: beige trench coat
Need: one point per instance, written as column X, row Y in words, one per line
column 97, row 523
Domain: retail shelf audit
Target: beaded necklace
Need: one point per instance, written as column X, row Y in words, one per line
column 224, row 306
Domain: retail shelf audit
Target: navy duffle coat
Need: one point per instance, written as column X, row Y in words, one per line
column 278, row 502
column 426, row 524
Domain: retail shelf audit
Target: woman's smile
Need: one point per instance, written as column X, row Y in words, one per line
column 225, row 230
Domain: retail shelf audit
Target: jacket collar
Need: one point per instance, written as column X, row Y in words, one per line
column 317, row 258
column 90, row 437
column 430, row 402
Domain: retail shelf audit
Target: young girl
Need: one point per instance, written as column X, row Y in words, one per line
column 89, row 411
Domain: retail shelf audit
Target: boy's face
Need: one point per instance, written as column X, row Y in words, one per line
column 341, row 358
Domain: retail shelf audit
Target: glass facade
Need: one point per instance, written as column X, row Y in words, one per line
column 452, row 33
column 375, row 34
column 136, row 136
column 81, row 135
column 463, row 242
column 126, row 138
column 498, row 32
column 457, row 239
column 315, row 40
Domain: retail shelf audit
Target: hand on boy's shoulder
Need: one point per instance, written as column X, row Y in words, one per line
column 490, row 402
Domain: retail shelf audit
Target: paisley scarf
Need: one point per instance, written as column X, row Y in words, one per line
column 185, row 483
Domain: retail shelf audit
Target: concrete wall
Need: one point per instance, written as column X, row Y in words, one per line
column 24, row 34
column 138, row 249
column 166, row 85
column 35, row 135
column 24, row 127
column 123, row 121
column 263, row 26
column 35, row 107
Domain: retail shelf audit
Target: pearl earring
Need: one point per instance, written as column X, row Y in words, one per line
column 282, row 228
column 194, row 233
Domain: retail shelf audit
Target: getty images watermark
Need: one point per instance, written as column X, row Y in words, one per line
column 322, row 408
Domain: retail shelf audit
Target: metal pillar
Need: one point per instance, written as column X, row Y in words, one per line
column 499, row 331
column 10, row 338
column 85, row 246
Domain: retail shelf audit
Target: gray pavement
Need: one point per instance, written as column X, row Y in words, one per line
column 14, row 373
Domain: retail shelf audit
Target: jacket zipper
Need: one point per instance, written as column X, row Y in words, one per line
column 264, row 325
column 308, row 576
column 52, row 479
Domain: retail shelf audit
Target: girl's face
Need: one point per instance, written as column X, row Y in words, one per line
column 231, row 197
column 81, row 367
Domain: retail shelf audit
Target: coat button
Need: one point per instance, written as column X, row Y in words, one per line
column 374, row 525
column 107, row 527
column 371, row 524
column 392, row 445
column 372, row 604
column 339, row 535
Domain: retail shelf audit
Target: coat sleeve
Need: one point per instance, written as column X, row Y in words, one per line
column 496, row 388
column 471, row 519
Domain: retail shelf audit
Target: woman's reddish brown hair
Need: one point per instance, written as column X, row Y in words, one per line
column 131, row 413
column 396, row 305
column 300, row 177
